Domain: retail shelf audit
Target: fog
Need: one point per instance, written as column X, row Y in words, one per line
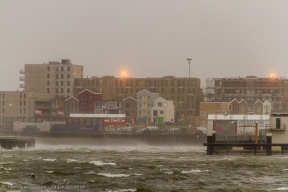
column 145, row 38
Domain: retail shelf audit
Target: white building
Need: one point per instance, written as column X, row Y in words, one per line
column 144, row 105
column 277, row 126
column 162, row 110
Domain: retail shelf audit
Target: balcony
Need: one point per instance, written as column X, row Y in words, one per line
column 21, row 86
column 274, row 127
column 21, row 78
column 21, row 71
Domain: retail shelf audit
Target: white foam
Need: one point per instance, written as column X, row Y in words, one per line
column 49, row 159
column 100, row 163
column 280, row 189
column 192, row 171
column 113, row 175
column 123, row 190
column 49, row 171
column 6, row 183
column 71, row 160
column 77, row 167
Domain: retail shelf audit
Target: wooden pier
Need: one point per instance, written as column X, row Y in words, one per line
column 256, row 147
column 10, row 142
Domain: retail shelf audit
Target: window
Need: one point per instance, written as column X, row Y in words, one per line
column 83, row 106
column 68, row 76
column 127, row 113
column 159, row 104
column 24, row 103
column 48, row 76
column 126, row 105
column 48, row 90
column 155, row 113
column 62, row 83
column 229, row 107
column 218, row 107
column 20, row 103
column 68, row 83
column 62, row 69
column 62, row 76
column 83, row 98
column 61, row 90
column 48, row 83
column 68, row 90
column 161, row 112
column 68, row 68
column 48, row 68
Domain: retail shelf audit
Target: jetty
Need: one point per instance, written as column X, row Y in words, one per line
column 10, row 142
column 255, row 148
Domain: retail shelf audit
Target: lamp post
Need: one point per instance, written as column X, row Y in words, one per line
column 123, row 74
column 189, row 59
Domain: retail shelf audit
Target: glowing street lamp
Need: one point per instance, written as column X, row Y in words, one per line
column 123, row 74
column 272, row 75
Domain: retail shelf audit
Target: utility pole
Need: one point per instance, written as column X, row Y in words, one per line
column 189, row 59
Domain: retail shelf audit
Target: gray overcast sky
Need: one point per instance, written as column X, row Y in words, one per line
column 145, row 38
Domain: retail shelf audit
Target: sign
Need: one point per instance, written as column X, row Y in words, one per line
column 60, row 112
column 38, row 111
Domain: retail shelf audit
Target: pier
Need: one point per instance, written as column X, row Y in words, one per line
column 254, row 148
column 10, row 142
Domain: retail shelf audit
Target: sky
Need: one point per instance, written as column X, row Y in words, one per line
column 145, row 38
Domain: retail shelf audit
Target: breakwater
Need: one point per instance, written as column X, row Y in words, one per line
column 152, row 139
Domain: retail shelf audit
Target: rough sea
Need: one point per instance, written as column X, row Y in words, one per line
column 126, row 166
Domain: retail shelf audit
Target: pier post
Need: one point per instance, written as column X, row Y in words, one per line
column 268, row 141
column 214, row 138
column 209, row 141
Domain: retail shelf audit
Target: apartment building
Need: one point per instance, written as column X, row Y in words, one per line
column 54, row 77
column 233, row 107
column 23, row 104
column 71, row 106
column 162, row 111
column 185, row 93
column 87, row 101
column 129, row 108
column 273, row 89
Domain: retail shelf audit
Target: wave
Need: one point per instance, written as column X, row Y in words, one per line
column 100, row 163
column 49, row 159
column 191, row 171
column 113, row 175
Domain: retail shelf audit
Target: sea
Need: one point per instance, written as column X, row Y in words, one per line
column 71, row 164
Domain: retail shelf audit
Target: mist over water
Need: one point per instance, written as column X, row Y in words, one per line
column 89, row 165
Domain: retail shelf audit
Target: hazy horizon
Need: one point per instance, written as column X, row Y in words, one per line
column 145, row 38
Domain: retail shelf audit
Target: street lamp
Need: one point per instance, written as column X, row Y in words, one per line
column 189, row 59
column 123, row 74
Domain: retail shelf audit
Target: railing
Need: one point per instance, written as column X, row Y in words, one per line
column 275, row 127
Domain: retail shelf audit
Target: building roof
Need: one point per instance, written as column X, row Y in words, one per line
column 221, row 100
column 130, row 98
column 238, row 117
column 71, row 97
column 89, row 91
column 97, row 115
